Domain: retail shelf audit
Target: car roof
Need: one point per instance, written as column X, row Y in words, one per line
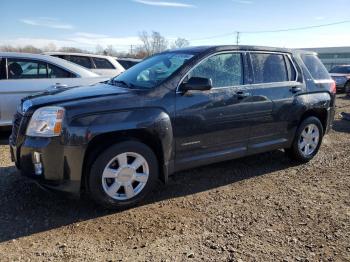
column 218, row 48
column 77, row 54
column 74, row 68
column 128, row 59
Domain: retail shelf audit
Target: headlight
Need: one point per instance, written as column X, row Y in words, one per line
column 46, row 122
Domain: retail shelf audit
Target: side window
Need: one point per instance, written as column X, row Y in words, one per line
column 223, row 69
column 25, row 69
column 81, row 60
column 56, row 72
column 102, row 63
column 61, row 56
column 2, row 68
column 292, row 75
column 268, row 68
column 315, row 67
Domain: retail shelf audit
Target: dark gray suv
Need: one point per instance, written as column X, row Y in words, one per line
column 173, row 111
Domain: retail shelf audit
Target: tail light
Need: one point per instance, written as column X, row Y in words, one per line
column 333, row 88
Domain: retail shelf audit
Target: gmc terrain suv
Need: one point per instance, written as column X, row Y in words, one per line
column 175, row 110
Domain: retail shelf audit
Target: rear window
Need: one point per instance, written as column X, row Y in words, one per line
column 341, row 70
column 81, row 60
column 127, row 63
column 57, row 72
column 102, row 63
column 269, row 68
column 317, row 70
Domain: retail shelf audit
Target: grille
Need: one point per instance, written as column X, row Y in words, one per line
column 16, row 127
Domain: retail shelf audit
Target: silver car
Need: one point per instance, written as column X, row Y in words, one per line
column 99, row 64
column 24, row 74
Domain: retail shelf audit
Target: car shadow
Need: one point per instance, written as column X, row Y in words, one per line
column 341, row 125
column 4, row 137
column 26, row 209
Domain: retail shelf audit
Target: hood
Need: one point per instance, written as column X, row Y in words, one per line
column 75, row 93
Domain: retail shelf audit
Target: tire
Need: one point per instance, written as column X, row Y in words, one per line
column 347, row 88
column 312, row 142
column 117, row 180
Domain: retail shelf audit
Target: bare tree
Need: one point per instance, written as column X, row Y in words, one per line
column 99, row 50
column 180, row 43
column 73, row 50
column 152, row 43
column 50, row 47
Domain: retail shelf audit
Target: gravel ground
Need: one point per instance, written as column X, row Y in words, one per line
column 259, row 208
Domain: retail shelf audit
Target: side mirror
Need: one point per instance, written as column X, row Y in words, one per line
column 197, row 83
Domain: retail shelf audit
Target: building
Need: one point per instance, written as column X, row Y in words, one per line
column 332, row 56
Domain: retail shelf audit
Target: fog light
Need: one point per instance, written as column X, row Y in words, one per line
column 38, row 167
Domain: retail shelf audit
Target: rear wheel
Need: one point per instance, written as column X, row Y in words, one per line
column 347, row 88
column 123, row 175
column 307, row 141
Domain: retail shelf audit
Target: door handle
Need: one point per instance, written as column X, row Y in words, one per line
column 59, row 85
column 295, row 89
column 241, row 94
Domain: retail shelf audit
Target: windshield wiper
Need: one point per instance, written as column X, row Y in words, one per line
column 115, row 82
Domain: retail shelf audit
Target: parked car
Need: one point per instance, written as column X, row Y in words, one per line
column 341, row 75
column 24, row 74
column 128, row 62
column 173, row 111
column 99, row 64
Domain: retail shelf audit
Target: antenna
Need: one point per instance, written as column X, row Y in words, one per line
column 237, row 37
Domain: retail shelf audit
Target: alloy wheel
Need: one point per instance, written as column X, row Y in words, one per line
column 125, row 176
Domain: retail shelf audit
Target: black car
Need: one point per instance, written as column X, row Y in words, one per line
column 341, row 76
column 173, row 111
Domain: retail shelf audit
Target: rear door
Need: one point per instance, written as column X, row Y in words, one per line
column 274, row 88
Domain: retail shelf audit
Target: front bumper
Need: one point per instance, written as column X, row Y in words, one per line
column 61, row 165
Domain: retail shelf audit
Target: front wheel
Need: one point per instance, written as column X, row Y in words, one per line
column 307, row 141
column 122, row 175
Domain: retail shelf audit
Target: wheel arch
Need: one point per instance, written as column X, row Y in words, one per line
column 103, row 141
column 320, row 113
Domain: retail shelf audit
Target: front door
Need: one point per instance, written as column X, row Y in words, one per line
column 211, row 125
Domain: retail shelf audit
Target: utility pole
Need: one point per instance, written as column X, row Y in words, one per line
column 131, row 49
column 237, row 37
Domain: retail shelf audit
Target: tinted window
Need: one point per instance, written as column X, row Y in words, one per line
column 268, row 68
column 341, row 70
column 81, row 60
column 102, row 63
column 61, row 56
column 25, row 69
column 2, row 68
column 291, row 70
column 56, row 72
column 127, row 63
column 315, row 67
column 223, row 69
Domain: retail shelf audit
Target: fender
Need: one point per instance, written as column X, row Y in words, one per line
column 152, row 120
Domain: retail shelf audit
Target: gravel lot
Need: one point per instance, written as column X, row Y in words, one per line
column 258, row 208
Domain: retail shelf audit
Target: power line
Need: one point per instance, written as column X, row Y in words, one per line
column 237, row 33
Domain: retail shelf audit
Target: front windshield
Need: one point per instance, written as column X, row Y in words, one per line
column 341, row 70
column 152, row 71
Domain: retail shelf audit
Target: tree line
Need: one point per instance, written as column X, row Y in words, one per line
column 151, row 43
